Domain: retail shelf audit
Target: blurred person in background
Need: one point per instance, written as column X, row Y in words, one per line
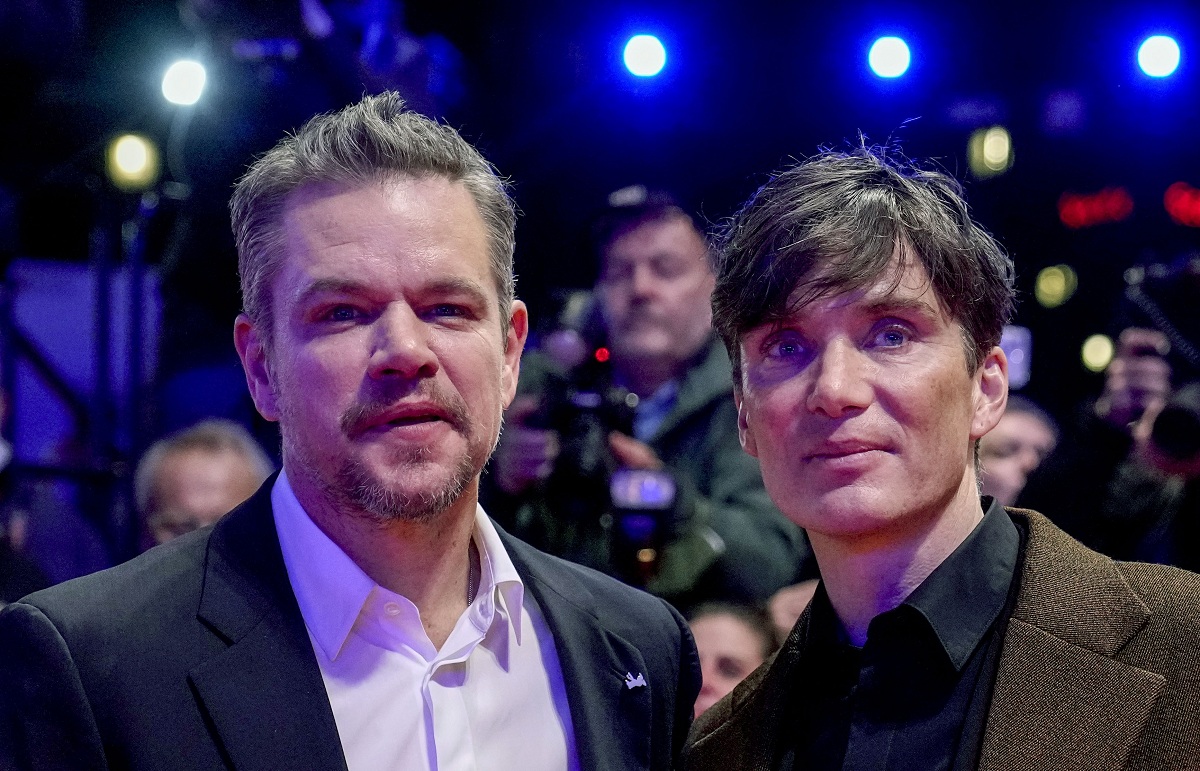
column 192, row 478
column 629, row 461
column 733, row 640
column 1012, row 450
column 1123, row 479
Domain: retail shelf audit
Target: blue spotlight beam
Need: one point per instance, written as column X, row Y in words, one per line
column 1158, row 56
column 645, row 56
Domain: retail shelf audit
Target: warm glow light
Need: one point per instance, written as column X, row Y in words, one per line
column 132, row 162
column 1097, row 352
column 184, row 82
column 990, row 151
column 1055, row 285
column 1082, row 210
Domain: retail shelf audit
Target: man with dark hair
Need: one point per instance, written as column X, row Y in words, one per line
column 360, row 611
column 718, row 537
column 863, row 309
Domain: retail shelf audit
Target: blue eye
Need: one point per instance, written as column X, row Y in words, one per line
column 891, row 337
column 447, row 310
column 785, row 347
column 342, row 313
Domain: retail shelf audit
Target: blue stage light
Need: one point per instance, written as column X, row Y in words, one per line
column 1158, row 56
column 645, row 56
column 889, row 57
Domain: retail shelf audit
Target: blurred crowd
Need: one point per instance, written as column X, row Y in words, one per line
column 621, row 451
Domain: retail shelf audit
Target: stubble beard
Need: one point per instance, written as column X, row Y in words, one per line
column 355, row 490
column 359, row 490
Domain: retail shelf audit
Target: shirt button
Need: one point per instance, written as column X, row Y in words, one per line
column 392, row 609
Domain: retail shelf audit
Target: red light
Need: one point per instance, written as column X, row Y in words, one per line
column 602, row 355
column 1083, row 210
column 1182, row 202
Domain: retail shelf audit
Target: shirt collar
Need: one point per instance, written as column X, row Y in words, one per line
column 965, row 594
column 332, row 590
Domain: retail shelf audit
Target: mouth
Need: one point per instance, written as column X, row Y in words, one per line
column 360, row 421
column 836, row 451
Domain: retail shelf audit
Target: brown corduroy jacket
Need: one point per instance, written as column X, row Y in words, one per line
column 1099, row 670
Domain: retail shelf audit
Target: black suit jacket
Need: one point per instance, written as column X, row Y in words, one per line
column 195, row 656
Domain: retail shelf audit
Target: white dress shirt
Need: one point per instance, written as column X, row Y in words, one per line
column 492, row 698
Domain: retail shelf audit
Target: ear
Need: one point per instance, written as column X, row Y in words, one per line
column 991, row 392
column 745, row 433
column 514, row 344
column 248, row 339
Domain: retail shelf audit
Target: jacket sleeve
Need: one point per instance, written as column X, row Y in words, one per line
column 45, row 720
column 732, row 543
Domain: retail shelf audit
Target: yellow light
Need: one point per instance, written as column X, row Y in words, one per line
column 990, row 151
column 1055, row 285
column 132, row 162
column 997, row 148
column 1097, row 352
column 646, row 555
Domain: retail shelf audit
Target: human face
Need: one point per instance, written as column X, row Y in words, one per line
column 655, row 292
column 385, row 364
column 196, row 487
column 729, row 651
column 1011, row 451
column 862, row 412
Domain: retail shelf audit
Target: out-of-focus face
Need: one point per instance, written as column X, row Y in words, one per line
column 196, row 487
column 1011, row 451
column 862, row 413
column 729, row 650
column 388, row 368
column 655, row 292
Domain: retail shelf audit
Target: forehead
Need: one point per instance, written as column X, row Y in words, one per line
column 904, row 282
column 672, row 234
column 368, row 231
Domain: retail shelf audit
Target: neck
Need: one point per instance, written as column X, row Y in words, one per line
column 866, row 576
column 428, row 561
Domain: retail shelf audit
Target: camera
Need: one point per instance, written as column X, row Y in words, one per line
column 634, row 508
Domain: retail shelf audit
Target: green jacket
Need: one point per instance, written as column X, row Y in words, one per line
column 728, row 541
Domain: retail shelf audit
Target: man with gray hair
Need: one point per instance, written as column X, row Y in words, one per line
column 195, row 476
column 361, row 611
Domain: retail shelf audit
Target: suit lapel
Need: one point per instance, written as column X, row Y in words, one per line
column 1061, row 699
column 263, row 695
column 611, row 721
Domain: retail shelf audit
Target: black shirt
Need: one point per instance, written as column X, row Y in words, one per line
column 915, row 696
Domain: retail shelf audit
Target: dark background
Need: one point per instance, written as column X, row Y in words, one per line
column 540, row 88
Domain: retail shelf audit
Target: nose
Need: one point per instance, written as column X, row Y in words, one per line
column 642, row 281
column 400, row 345
column 840, row 382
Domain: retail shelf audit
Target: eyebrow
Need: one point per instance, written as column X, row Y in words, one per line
column 445, row 286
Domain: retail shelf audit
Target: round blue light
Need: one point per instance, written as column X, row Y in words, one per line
column 645, row 56
column 889, row 57
column 1158, row 56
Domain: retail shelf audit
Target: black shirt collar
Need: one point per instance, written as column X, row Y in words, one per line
column 960, row 599
column 965, row 594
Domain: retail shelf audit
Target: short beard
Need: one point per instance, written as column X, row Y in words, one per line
column 361, row 491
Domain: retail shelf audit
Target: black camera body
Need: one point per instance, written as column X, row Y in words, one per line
column 632, row 509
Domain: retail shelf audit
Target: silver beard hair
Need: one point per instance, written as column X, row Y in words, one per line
column 362, row 492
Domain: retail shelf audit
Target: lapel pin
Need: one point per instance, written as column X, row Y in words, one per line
column 632, row 682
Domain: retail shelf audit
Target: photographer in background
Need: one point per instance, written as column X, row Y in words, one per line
column 626, row 457
column 1127, row 481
